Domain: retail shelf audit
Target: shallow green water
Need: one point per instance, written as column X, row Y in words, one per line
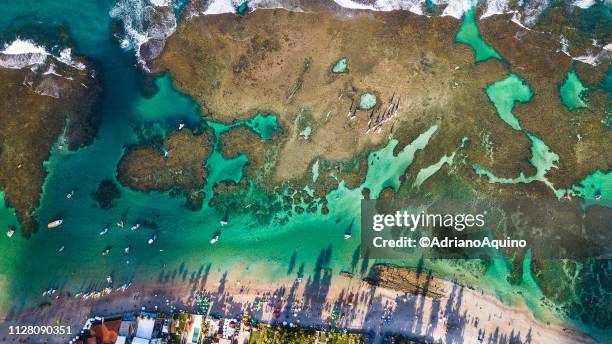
column 183, row 248
column 469, row 34
column 341, row 66
column 505, row 93
column 428, row 171
column 572, row 91
column 367, row 101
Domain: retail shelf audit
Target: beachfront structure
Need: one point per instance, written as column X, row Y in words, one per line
column 194, row 330
column 99, row 330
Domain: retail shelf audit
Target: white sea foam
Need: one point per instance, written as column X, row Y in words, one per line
column 66, row 57
column 583, row 3
column 22, row 53
column 161, row 3
column 149, row 22
column 229, row 6
column 219, row 7
column 144, row 21
column 595, row 59
column 21, row 47
column 456, row 8
column 589, row 59
column 496, row 7
column 564, row 45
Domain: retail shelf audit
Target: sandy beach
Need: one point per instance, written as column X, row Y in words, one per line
column 453, row 314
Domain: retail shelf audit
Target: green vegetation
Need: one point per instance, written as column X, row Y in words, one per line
column 282, row 335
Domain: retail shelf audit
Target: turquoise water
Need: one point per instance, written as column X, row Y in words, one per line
column 367, row 101
column 7, row 215
column 505, row 93
column 469, row 34
column 243, row 8
column 572, row 91
column 597, row 183
column 182, row 249
column 428, row 171
column 341, row 66
column 158, row 108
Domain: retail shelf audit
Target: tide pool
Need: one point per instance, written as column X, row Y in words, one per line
column 341, row 66
column 469, row 35
column 505, row 93
column 572, row 91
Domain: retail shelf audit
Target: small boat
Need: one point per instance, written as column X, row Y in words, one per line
column 10, row 231
column 104, row 231
column 567, row 197
column 70, row 194
column 61, row 248
column 127, row 250
column 215, row 237
column 598, row 196
column 120, row 224
column 152, row 239
column 224, row 220
column 106, row 252
column 54, row 224
column 348, row 231
column 109, row 279
column 181, row 126
column 135, row 227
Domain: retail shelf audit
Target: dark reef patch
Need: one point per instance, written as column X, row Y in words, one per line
column 107, row 192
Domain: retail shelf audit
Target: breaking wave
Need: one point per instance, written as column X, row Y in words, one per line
column 147, row 23
column 22, row 53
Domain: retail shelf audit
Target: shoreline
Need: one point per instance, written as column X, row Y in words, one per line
column 459, row 314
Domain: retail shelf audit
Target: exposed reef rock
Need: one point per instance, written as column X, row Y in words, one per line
column 44, row 100
column 407, row 280
column 178, row 164
column 281, row 61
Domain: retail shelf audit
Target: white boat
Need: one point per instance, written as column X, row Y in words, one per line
column 61, row 248
column 109, row 279
column 120, row 224
column 152, row 239
column 10, row 231
column 127, row 250
column 225, row 219
column 106, row 252
column 70, row 194
column 348, row 231
column 181, row 125
column 104, row 231
column 214, row 239
column 55, row 223
column 135, row 227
